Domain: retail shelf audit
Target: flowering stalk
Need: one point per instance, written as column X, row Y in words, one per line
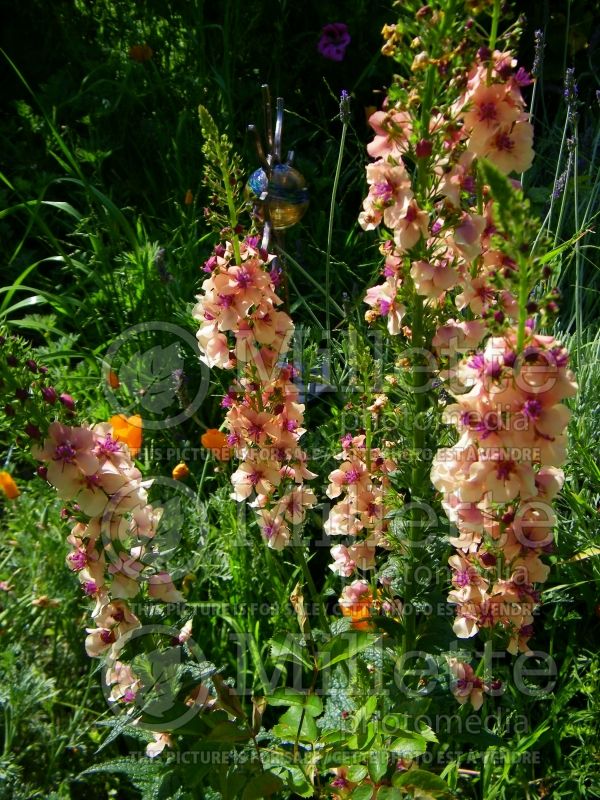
column 242, row 329
column 112, row 541
column 455, row 233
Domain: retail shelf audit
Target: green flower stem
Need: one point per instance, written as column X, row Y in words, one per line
column 336, row 179
column 233, row 218
column 300, row 557
column 495, row 21
column 578, row 259
column 419, row 380
column 523, row 295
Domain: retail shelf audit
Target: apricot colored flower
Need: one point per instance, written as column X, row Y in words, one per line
column 466, row 686
column 392, row 131
column 510, row 149
column 161, row 587
column 128, row 430
column 490, row 110
column 8, row 486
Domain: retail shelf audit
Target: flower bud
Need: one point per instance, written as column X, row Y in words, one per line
column 423, row 148
column 181, row 471
column 67, row 401
column 49, row 394
column 33, row 431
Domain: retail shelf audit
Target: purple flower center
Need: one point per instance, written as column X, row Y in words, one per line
column 560, row 356
column 255, row 431
column 244, row 279
column 532, row 409
column 269, row 530
column 504, row 470
column 383, row 193
column 477, row 362
column 491, row 423
column 78, row 560
column 65, row 452
column 462, row 577
column 352, row 476
column 384, row 307
column 107, row 446
column 487, row 111
column 255, row 477
column 340, row 783
column 503, row 142
column 225, row 300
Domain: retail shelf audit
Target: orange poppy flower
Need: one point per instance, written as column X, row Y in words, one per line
column 216, row 442
column 128, row 430
column 8, row 486
column 189, row 198
column 141, row 53
column 360, row 611
column 113, row 380
column 181, row 471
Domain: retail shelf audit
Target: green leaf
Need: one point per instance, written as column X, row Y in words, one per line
column 263, row 785
column 344, row 646
column 556, row 251
column 364, row 713
column 421, row 779
column 229, row 732
column 378, row 764
column 363, row 739
column 388, row 793
column 333, row 736
column 409, row 745
column 293, row 720
column 289, row 648
column 501, row 188
column 145, row 774
column 356, row 773
column 362, row 793
column 292, row 697
column 296, row 781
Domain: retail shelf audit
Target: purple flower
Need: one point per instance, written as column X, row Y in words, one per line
column 334, row 41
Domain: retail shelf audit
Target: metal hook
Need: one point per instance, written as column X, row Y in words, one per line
column 278, row 132
column 268, row 119
column 259, row 148
column 266, row 237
